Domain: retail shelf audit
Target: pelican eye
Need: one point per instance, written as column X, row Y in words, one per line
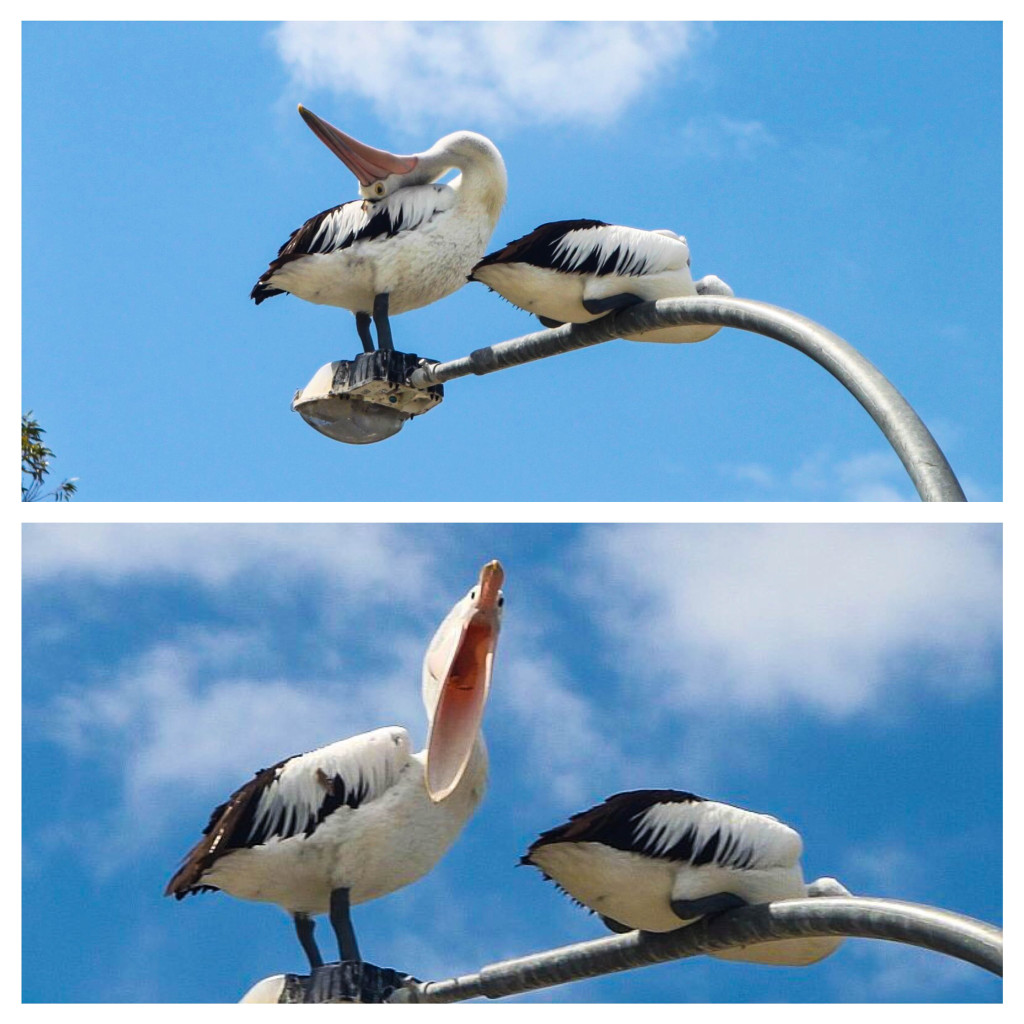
column 501, row 600
column 472, row 594
column 378, row 189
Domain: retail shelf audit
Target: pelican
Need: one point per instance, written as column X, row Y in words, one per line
column 658, row 859
column 574, row 271
column 320, row 832
column 408, row 242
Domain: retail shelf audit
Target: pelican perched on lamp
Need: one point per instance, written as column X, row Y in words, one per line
column 319, row 832
column 657, row 859
column 574, row 271
column 408, row 242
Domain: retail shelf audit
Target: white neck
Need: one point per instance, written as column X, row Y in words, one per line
column 483, row 180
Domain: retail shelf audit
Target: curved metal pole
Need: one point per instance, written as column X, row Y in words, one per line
column 910, row 923
column 910, row 438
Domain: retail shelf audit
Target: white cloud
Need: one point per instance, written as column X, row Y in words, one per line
column 887, row 867
column 358, row 558
column 464, row 74
column 870, row 476
column 176, row 722
column 753, row 472
column 821, row 616
column 558, row 728
column 187, row 718
column 880, row 971
column 718, row 137
column 193, row 714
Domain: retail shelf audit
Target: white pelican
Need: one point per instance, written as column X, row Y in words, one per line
column 406, row 243
column 364, row 816
column 574, row 271
column 657, row 859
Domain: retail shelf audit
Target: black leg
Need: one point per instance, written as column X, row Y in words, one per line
column 363, row 327
column 341, row 922
column 707, row 905
column 304, row 926
column 381, row 322
column 621, row 301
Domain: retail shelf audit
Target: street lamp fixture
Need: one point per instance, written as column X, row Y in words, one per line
column 365, row 399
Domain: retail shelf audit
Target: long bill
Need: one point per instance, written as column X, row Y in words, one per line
column 365, row 162
column 464, row 685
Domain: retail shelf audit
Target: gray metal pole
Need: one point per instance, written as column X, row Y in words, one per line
column 864, row 917
column 909, row 437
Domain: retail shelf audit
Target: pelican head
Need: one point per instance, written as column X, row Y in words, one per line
column 381, row 173
column 711, row 285
column 456, row 678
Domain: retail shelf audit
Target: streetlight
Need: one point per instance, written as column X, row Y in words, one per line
column 902, row 427
column 915, row 924
column 366, row 399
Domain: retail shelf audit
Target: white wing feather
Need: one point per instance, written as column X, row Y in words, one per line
column 360, row 768
column 639, row 252
column 756, row 840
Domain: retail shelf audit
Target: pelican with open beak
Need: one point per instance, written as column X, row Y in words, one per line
column 360, row 818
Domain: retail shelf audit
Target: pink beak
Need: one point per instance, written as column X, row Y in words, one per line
column 464, row 688
column 365, row 162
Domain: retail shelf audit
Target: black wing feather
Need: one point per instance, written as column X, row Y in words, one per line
column 233, row 825
column 613, row 822
column 312, row 237
column 538, row 247
column 321, row 235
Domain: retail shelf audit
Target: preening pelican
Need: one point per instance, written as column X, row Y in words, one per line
column 362, row 817
column 574, row 271
column 406, row 243
column 657, row 859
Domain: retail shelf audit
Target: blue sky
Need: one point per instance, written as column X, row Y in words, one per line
column 850, row 172
column 846, row 678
